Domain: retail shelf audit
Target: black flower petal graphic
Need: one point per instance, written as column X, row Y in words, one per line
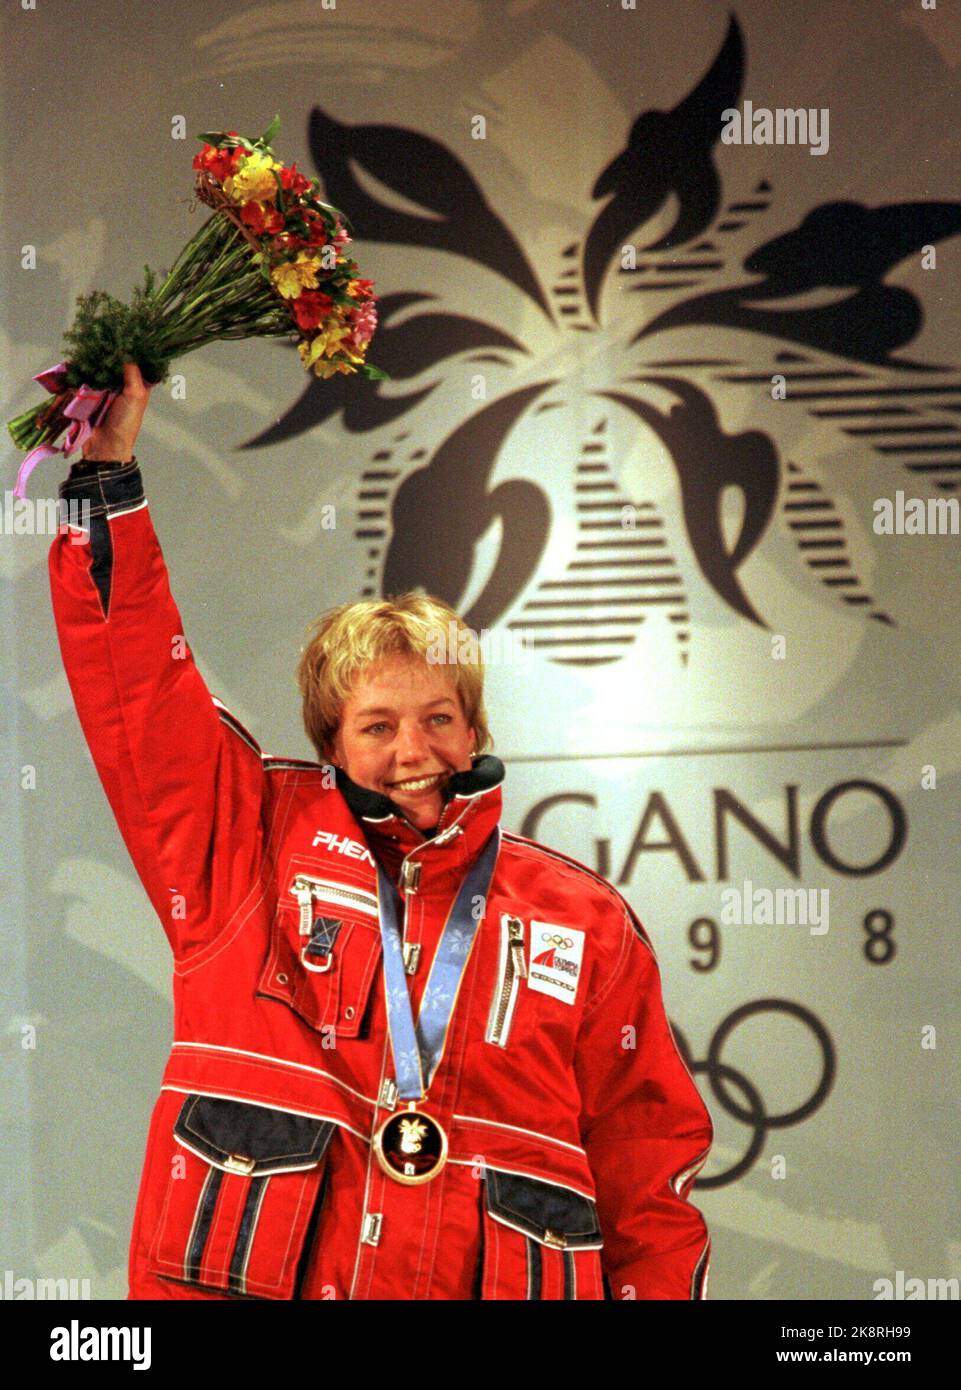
column 404, row 351
column 426, row 528
column 667, row 152
column 441, row 558
column 425, row 172
column 708, row 461
column 842, row 245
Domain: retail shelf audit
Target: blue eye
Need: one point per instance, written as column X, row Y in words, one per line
column 382, row 724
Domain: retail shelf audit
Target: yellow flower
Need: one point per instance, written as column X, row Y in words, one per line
column 253, row 181
column 321, row 348
column 309, row 352
column 292, row 277
column 325, row 368
column 331, row 334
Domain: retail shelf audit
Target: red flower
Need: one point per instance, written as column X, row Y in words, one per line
column 293, row 180
column 263, row 220
column 310, row 309
column 220, row 164
column 317, row 233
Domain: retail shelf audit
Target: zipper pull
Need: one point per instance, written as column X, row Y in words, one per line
column 410, row 875
column 515, row 930
column 304, row 894
column 448, row 834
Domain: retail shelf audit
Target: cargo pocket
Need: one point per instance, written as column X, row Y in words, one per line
column 244, row 1188
column 541, row 1240
column 324, row 975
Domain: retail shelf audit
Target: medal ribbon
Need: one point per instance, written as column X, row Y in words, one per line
column 417, row 1049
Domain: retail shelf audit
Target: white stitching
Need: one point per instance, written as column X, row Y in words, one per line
column 520, row 1173
column 518, row 1129
column 248, row 1095
column 276, row 1061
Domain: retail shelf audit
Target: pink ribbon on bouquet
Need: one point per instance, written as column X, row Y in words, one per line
column 87, row 410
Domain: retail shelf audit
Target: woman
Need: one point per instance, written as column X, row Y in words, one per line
column 416, row 1056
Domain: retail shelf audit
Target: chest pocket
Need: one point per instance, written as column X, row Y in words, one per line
column 325, row 951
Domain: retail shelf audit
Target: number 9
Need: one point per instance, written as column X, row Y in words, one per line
column 707, row 940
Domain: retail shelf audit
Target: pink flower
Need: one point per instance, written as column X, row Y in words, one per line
column 364, row 321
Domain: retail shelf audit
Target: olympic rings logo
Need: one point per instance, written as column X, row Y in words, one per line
column 752, row 1112
column 562, row 943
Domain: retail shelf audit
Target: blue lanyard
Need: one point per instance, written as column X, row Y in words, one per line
column 417, row 1049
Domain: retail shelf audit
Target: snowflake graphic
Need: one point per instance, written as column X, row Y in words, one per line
column 408, row 1061
column 458, row 943
column 593, row 323
column 436, row 1000
column 396, row 996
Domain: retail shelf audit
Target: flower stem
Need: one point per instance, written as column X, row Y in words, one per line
column 191, row 254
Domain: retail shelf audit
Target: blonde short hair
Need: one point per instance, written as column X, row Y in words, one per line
column 345, row 640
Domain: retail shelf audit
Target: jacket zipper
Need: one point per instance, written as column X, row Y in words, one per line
column 512, row 969
column 441, row 838
column 305, row 888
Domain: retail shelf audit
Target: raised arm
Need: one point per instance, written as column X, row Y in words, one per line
column 183, row 777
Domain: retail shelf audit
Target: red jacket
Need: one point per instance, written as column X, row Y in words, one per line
column 575, row 1130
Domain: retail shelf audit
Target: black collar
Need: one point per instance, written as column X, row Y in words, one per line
column 486, row 772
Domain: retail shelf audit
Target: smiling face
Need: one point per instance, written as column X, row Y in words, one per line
column 403, row 725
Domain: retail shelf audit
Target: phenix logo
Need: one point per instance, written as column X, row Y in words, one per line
column 336, row 844
column 664, row 499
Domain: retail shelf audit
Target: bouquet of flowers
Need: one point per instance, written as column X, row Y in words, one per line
column 269, row 262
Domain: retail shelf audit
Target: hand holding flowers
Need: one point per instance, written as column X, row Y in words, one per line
column 270, row 261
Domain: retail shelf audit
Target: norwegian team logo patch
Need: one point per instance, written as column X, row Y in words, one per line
column 557, row 954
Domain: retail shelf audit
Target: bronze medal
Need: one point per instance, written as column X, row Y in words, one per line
column 411, row 1146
